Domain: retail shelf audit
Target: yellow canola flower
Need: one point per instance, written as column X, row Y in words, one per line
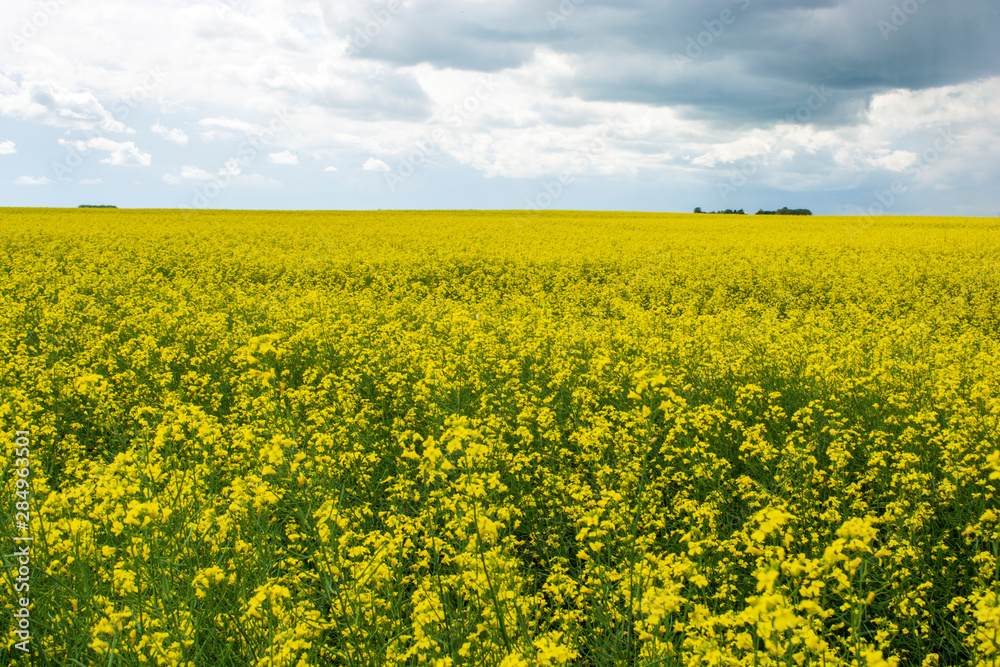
column 551, row 651
column 874, row 658
column 993, row 463
column 298, row 424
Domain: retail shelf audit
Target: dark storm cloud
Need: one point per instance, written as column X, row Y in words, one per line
column 483, row 37
column 739, row 61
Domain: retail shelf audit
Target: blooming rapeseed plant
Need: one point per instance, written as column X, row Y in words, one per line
column 598, row 439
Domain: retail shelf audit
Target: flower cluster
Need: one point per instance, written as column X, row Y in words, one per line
column 442, row 439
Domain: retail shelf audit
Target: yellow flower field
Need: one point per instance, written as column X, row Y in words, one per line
column 502, row 438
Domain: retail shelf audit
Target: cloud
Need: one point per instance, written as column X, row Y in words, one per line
column 176, row 136
column 31, row 180
column 91, row 181
column 733, row 61
column 222, row 128
column 7, row 148
column 374, row 164
column 187, row 174
column 359, row 90
column 121, row 153
column 805, row 96
column 330, row 168
column 895, row 161
column 284, row 157
column 230, row 173
column 49, row 102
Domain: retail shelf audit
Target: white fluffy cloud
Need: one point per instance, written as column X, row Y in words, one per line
column 176, row 136
column 50, row 102
column 284, row 157
column 374, row 164
column 187, row 174
column 896, row 161
column 120, row 153
column 7, row 148
column 31, row 180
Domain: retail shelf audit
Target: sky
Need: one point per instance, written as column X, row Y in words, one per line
column 840, row 106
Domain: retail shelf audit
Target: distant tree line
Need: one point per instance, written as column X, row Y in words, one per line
column 97, row 206
column 728, row 211
column 781, row 211
column 786, row 211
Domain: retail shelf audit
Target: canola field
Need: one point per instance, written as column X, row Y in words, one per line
column 500, row 438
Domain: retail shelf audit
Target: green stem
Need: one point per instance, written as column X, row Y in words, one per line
column 497, row 609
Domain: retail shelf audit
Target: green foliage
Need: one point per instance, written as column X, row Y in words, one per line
column 728, row 211
column 786, row 211
column 469, row 438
